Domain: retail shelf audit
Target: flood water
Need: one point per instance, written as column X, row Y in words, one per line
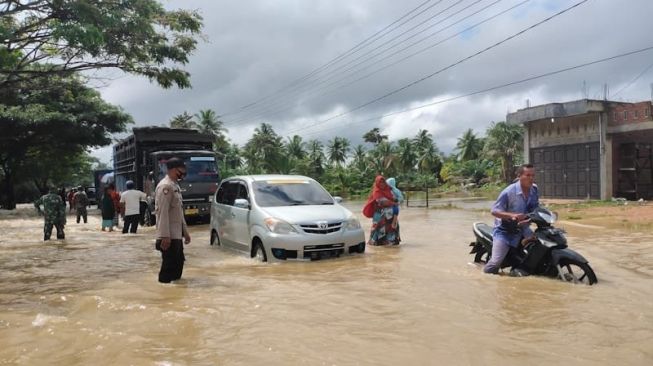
column 94, row 299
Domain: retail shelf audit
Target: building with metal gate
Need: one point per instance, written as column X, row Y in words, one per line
column 594, row 149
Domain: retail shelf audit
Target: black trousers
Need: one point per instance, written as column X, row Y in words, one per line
column 172, row 261
column 130, row 223
column 47, row 231
column 81, row 212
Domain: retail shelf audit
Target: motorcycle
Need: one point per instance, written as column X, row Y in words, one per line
column 546, row 254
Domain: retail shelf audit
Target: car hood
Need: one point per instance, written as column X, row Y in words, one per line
column 308, row 214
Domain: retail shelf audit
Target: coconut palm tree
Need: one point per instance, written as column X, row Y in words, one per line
column 184, row 120
column 505, row 142
column 359, row 158
column 469, row 146
column 338, row 148
column 374, row 136
column 264, row 149
column 296, row 147
column 407, row 155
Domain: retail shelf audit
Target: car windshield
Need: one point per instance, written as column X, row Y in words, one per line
column 274, row 193
column 198, row 169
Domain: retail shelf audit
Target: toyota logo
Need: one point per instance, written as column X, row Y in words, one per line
column 322, row 225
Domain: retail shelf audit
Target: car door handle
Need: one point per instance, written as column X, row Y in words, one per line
column 233, row 214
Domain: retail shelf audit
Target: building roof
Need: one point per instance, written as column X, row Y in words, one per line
column 559, row 110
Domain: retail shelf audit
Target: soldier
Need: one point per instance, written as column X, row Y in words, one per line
column 170, row 222
column 81, row 201
column 54, row 214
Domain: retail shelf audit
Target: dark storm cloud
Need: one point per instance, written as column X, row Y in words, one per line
column 255, row 48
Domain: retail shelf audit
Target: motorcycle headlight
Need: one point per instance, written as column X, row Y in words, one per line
column 279, row 226
column 352, row 224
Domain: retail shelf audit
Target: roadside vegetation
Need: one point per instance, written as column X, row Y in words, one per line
column 479, row 166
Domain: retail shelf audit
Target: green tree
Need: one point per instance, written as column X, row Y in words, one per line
column 51, row 117
column 184, row 120
column 264, row 151
column 469, row 146
column 296, row 147
column 505, row 142
column 47, row 38
column 314, row 162
column 209, row 122
column 359, row 159
column 407, row 155
column 374, row 136
column 338, row 149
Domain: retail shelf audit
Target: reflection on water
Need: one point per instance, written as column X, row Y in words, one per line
column 94, row 299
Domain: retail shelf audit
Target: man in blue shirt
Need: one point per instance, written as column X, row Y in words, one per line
column 511, row 223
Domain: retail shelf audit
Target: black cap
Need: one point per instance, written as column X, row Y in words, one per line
column 175, row 163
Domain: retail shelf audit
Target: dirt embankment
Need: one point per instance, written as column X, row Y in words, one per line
column 628, row 215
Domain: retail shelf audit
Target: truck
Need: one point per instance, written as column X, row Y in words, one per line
column 141, row 157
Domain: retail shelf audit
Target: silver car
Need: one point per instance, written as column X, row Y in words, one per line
column 282, row 217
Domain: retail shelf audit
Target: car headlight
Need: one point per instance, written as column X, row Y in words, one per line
column 279, row 226
column 352, row 224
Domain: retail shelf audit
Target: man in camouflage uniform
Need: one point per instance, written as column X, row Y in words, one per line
column 54, row 214
column 80, row 199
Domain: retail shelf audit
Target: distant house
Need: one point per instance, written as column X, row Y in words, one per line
column 590, row 148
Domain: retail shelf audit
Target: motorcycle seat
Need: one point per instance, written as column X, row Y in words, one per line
column 484, row 230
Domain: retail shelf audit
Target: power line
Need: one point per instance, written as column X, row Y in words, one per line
column 482, row 91
column 633, row 81
column 298, row 88
column 411, row 84
column 286, row 107
column 339, row 57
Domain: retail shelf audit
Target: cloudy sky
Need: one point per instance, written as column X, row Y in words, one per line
column 316, row 67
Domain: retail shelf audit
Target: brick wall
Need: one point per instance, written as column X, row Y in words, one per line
column 623, row 114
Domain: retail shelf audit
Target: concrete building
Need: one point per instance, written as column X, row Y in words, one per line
column 590, row 148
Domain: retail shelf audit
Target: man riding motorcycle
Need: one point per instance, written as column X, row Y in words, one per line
column 511, row 223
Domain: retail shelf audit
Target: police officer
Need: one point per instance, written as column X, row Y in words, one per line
column 81, row 201
column 170, row 222
column 54, row 214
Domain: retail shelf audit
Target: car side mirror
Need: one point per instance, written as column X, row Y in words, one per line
column 338, row 199
column 241, row 203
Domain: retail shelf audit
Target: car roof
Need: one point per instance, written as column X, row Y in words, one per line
column 266, row 177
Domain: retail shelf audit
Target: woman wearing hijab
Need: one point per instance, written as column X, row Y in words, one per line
column 380, row 202
column 398, row 197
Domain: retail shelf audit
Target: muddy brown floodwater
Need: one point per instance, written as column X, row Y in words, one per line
column 93, row 299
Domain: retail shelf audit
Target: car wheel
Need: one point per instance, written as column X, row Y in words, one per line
column 215, row 239
column 258, row 252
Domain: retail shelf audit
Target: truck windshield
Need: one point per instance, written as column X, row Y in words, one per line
column 198, row 169
column 274, row 193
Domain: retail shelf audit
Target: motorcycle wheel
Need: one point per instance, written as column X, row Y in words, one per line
column 576, row 272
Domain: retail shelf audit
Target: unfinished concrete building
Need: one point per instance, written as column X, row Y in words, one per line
column 593, row 149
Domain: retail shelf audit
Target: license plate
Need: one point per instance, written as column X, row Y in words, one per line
column 191, row 211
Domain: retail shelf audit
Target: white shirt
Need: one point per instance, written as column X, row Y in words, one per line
column 131, row 199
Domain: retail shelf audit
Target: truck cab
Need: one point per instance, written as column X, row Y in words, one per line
column 199, row 185
column 142, row 156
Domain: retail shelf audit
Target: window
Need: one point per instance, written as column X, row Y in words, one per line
column 625, row 115
column 646, row 112
column 636, row 113
column 242, row 192
column 230, row 193
column 614, row 116
column 219, row 196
